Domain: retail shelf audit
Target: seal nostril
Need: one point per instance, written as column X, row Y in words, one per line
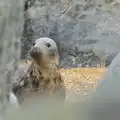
column 48, row 45
column 33, row 43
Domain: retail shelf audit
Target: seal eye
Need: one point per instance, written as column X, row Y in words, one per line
column 33, row 43
column 48, row 45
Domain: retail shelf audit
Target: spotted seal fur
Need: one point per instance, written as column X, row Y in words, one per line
column 42, row 75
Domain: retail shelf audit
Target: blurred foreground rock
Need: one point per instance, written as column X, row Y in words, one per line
column 106, row 99
column 108, row 87
column 11, row 27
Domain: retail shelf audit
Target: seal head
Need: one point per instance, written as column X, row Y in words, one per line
column 44, row 50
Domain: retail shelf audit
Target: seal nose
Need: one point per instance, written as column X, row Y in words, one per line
column 34, row 52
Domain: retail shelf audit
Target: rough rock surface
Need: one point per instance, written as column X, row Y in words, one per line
column 86, row 31
column 11, row 27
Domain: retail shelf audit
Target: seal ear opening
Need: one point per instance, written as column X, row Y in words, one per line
column 33, row 43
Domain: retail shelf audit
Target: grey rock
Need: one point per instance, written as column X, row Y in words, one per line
column 86, row 57
column 108, row 45
column 86, row 26
column 109, row 85
column 108, row 1
column 106, row 97
column 11, row 27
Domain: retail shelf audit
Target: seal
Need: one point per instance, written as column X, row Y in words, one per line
column 42, row 75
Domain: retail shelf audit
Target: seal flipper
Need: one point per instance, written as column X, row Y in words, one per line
column 18, row 84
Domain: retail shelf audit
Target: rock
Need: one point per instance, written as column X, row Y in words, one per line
column 108, row 46
column 86, row 26
column 11, row 27
column 109, row 85
column 106, row 97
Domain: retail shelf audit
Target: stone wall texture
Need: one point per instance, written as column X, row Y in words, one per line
column 87, row 32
